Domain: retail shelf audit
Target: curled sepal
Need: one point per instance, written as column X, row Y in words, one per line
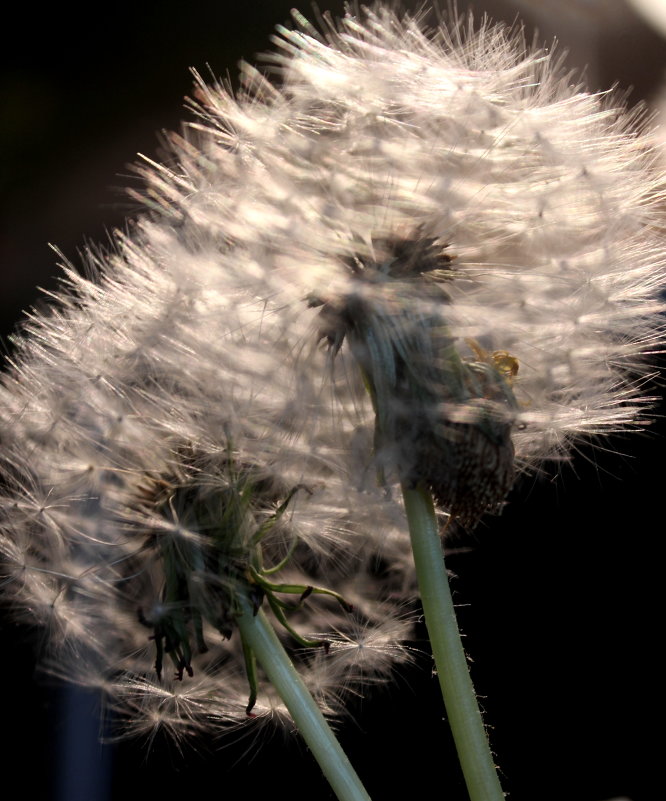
column 277, row 609
column 303, row 590
column 251, row 672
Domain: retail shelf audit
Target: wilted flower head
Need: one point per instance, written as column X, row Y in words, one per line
column 444, row 211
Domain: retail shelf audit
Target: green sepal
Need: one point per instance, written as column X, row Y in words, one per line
column 304, row 590
column 279, row 614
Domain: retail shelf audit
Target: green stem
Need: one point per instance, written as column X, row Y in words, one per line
column 258, row 633
column 460, row 701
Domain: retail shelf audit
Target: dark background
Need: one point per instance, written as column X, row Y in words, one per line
column 560, row 598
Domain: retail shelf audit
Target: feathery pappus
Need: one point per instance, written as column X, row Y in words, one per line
column 420, row 255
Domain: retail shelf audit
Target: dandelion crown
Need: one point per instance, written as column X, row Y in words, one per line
column 417, row 258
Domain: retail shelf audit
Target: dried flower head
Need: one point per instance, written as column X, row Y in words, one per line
column 474, row 240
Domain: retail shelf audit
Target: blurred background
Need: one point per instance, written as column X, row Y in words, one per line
column 559, row 598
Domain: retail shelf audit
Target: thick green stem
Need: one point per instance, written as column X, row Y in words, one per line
column 460, row 701
column 259, row 635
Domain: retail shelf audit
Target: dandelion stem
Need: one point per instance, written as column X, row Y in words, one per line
column 460, row 701
column 261, row 638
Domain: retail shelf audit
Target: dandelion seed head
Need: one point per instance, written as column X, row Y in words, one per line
column 417, row 257
column 136, row 443
column 540, row 199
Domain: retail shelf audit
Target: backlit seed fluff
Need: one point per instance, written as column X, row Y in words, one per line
column 148, row 480
column 416, row 256
column 475, row 231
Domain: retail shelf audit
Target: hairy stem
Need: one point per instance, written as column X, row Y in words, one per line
column 259, row 635
column 460, row 701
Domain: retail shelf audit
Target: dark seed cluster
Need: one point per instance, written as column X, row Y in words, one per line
column 468, row 467
column 442, row 420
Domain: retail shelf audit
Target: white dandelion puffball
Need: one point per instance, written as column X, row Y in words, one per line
column 480, row 234
column 416, row 256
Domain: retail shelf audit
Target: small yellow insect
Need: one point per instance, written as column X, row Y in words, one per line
column 501, row 360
